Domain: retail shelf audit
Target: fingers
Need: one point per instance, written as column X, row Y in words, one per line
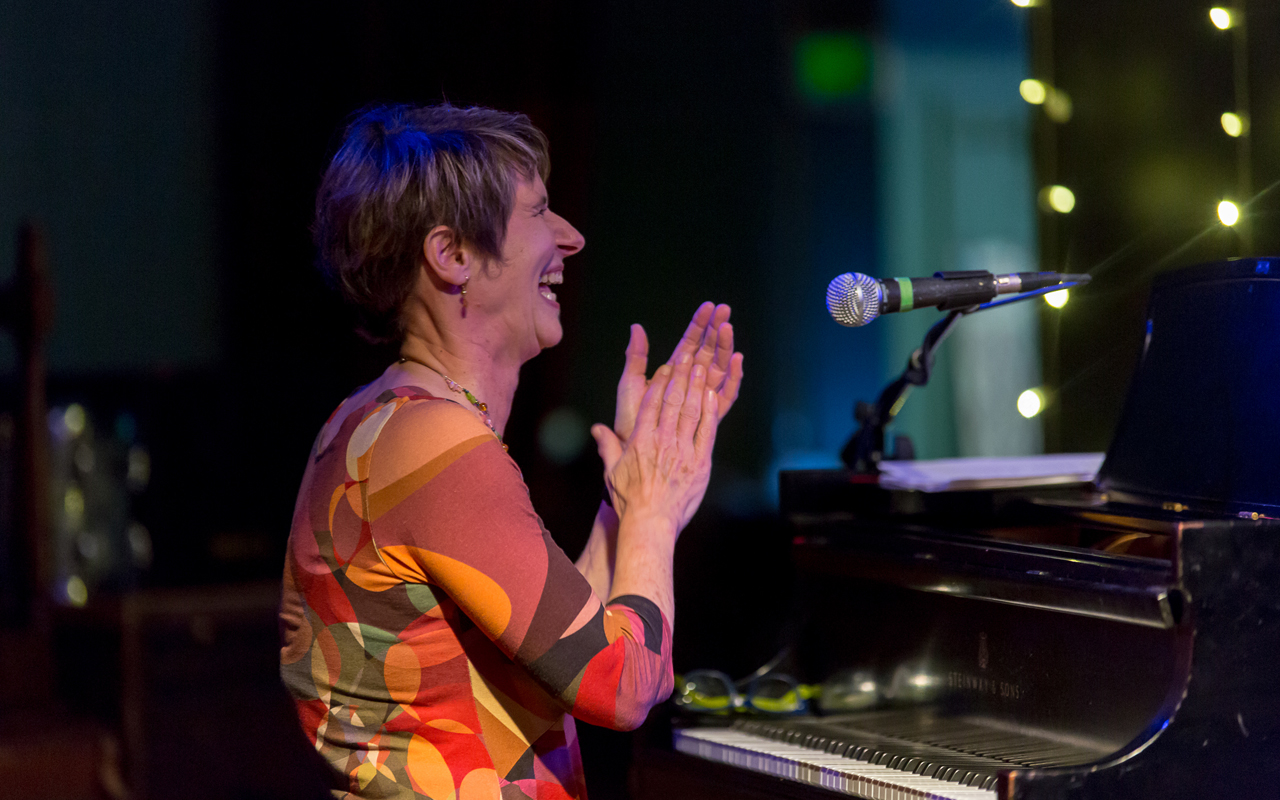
column 673, row 398
column 707, row 351
column 691, row 410
column 707, row 342
column 724, row 348
column 652, row 402
column 717, row 346
column 633, row 382
column 607, row 445
column 721, row 315
column 728, row 394
column 704, row 440
column 693, row 335
column 637, row 352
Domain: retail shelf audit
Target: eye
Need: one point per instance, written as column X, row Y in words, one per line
column 542, row 212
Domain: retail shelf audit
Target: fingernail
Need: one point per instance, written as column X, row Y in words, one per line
column 684, row 358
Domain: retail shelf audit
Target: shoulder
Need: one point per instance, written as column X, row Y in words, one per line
column 403, row 433
column 424, row 420
column 356, row 409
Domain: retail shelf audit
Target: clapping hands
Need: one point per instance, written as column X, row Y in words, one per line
column 708, row 341
column 657, row 456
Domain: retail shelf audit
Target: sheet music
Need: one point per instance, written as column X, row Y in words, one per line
column 959, row 474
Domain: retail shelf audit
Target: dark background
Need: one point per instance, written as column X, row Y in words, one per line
column 172, row 156
column 1148, row 160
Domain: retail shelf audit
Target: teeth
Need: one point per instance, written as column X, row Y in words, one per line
column 552, row 278
column 547, row 293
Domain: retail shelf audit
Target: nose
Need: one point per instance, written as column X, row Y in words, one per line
column 567, row 237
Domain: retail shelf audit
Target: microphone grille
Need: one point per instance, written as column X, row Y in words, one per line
column 853, row 299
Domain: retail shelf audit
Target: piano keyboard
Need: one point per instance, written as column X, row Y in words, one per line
column 817, row 768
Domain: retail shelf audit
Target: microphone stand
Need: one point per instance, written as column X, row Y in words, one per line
column 865, row 450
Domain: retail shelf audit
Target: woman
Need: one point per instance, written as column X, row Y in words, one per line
column 436, row 640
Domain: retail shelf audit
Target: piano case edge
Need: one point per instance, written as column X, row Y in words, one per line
column 1221, row 736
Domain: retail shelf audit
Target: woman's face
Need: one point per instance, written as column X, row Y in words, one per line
column 520, row 292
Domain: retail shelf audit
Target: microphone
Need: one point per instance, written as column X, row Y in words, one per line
column 854, row 299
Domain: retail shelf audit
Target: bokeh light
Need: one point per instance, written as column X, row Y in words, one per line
column 1033, row 91
column 73, row 505
column 1030, row 403
column 1058, row 198
column 1057, row 105
column 1221, row 17
column 77, row 592
column 75, row 419
column 1058, row 299
column 562, row 435
column 1233, row 124
column 1228, row 212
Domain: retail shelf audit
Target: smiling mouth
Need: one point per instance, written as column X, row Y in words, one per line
column 547, row 281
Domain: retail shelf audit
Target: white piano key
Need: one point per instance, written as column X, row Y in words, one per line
column 814, row 767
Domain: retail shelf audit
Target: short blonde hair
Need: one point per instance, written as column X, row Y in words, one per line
column 400, row 172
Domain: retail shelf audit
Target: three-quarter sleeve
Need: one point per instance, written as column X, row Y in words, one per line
column 443, row 506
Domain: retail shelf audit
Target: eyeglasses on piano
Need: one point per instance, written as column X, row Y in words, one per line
column 709, row 691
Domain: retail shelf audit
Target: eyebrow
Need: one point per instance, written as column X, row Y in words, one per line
column 541, row 201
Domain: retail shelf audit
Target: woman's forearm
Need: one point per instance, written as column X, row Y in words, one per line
column 600, row 553
column 643, row 564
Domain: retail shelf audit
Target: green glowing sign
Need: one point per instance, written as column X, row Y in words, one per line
column 833, row 66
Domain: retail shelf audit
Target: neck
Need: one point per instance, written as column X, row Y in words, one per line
column 489, row 381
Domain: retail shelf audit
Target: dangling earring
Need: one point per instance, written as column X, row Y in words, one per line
column 464, row 292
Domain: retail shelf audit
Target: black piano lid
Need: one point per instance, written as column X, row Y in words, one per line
column 1201, row 424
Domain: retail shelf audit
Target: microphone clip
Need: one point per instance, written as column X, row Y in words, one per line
column 979, row 288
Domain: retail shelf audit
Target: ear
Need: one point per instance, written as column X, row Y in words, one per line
column 447, row 257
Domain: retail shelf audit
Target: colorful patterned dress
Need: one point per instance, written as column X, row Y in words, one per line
column 436, row 639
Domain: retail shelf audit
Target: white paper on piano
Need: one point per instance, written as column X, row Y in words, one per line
column 959, row 474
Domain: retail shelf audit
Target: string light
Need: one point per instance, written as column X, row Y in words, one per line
column 77, row 592
column 1222, row 18
column 1033, row 91
column 1059, row 298
column 1233, row 124
column 1058, row 198
column 1030, row 403
column 73, row 506
column 74, row 419
column 1228, row 212
column 1057, row 105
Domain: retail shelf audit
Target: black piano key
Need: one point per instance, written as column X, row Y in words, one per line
column 974, row 778
column 927, row 768
column 899, row 762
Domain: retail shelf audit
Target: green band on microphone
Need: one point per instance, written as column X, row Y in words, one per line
column 908, row 300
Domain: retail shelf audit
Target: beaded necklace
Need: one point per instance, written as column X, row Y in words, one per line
column 465, row 392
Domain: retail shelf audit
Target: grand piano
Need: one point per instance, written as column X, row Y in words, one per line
column 1112, row 639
